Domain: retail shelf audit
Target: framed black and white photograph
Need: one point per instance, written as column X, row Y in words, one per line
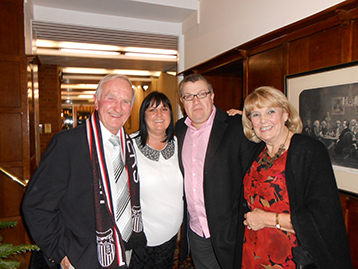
column 327, row 101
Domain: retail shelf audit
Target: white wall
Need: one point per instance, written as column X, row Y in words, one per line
column 225, row 24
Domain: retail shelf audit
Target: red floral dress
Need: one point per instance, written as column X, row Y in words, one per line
column 265, row 188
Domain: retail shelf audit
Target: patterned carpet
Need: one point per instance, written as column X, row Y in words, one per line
column 38, row 262
column 187, row 264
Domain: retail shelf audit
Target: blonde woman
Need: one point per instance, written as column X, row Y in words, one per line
column 295, row 217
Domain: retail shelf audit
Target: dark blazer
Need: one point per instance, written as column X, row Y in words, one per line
column 58, row 205
column 228, row 155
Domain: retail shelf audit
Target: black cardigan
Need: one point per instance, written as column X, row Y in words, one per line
column 316, row 212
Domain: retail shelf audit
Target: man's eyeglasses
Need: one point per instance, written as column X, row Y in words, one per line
column 190, row 97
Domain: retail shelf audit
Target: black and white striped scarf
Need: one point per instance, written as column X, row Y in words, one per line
column 110, row 246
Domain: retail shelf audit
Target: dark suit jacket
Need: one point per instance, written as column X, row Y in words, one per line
column 227, row 158
column 58, row 205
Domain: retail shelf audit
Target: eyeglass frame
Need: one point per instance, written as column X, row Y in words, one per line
column 195, row 95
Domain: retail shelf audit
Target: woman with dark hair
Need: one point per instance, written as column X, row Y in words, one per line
column 161, row 183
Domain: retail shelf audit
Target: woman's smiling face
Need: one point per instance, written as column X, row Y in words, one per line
column 157, row 118
column 269, row 123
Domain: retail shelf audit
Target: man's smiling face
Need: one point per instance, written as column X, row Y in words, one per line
column 114, row 105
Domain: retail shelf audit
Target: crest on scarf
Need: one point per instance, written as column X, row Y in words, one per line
column 137, row 219
column 106, row 250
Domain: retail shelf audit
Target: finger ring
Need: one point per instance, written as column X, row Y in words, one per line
column 248, row 227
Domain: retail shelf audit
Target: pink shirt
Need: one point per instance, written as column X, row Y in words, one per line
column 193, row 155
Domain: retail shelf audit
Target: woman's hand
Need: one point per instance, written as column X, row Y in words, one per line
column 255, row 219
column 233, row 112
column 259, row 219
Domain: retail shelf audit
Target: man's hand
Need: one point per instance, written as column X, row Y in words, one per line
column 65, row 263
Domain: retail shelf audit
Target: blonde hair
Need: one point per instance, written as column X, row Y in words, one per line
column 266, row 96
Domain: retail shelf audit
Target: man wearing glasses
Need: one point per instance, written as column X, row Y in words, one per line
column 213, row 156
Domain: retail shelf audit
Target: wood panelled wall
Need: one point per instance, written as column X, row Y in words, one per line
column 325, row 39
column 14, row 133
column 325, row 43
column 49, row 102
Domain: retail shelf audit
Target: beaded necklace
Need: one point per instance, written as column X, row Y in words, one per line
column 266, row 163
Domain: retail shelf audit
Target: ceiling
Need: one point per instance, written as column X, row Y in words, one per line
column 173, row 11
column 156, row 10
column 91, row 35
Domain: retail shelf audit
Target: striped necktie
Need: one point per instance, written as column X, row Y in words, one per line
column 122, row 211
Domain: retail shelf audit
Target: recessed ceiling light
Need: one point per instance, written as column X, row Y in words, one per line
column 77, row 70
column 66, row 46
column 90, row 51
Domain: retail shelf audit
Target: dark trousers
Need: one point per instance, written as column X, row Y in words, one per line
column 158, row 257
column 202, row 252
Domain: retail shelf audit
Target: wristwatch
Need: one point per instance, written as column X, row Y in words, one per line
column 278, row 225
